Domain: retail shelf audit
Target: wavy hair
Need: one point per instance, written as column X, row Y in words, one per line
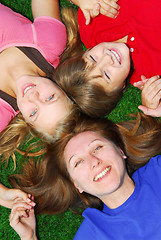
column 17, row 130
column 49, row 180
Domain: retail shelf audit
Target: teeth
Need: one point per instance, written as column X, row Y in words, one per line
column 102, row 174
column 26, row 89
column 116, row 55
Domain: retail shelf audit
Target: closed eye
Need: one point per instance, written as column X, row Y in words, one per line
column 92, row 58
column 106, row 75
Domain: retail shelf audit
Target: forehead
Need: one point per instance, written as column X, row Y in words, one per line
column 81, row 141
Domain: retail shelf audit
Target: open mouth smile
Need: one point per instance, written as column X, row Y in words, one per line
column 116, row 55
column 27, row 87
column 102, row 174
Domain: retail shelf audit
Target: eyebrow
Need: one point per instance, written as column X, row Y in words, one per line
column 93, row 141
column 88, row 145
column 72, row 157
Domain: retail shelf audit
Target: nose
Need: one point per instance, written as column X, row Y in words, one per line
column 106, row 61
column 94, row 161
column 34, row 96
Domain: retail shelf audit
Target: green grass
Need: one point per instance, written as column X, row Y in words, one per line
column 61, row 227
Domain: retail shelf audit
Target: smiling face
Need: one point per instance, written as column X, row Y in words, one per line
column 41, row 102
column 110, row 63
column 95, row 165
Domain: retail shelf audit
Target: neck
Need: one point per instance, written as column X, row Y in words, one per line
column 13, row 65
column 123, row 40
column 121, row 194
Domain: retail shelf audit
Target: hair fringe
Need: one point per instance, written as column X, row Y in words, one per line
column 48, row 179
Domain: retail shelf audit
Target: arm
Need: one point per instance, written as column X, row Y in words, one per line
column 92, row 8
column 45, row 8
column 9, row 196
column 23, row 222
column 151, row 96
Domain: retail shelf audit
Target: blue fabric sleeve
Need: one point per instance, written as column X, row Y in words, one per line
column 85, row 232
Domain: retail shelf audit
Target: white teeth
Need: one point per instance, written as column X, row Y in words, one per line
column 102, row 174
column 116, row 55
column 26, row 89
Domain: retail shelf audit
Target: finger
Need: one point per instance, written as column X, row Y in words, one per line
column 153, row 90
column 18, row 194
column 16, row 215
column 86, row 15
column 151, row 81
column 28, row 200
column 96, row 10
column 149, row 111
column 113, row 4
column 139, row 85
column 108, row 14
column 143, row 78
column 21, row 205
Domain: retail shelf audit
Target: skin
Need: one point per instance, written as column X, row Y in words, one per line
column 151, row 95
column 111, row 71
column 23, row 221
column 42, row 103
column 9, row 196
column 89, row 154
column 93, row 8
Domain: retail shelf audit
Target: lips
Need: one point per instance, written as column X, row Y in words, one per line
column 27, row 87
column 116, row 54
column 102, row 174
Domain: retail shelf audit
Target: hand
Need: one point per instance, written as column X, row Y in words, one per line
column 9, row 196
column 23, row 221
column 151, row 92
column 92, row 8
column 151, row 112
column 140, row 84
column 151, row 97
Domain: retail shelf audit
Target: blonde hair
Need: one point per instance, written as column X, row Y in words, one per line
column 17, row 130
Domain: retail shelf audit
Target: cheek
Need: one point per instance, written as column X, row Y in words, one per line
column 19, row 103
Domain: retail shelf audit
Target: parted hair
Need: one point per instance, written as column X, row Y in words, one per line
column 17, row 130
column 73, row 77
column 49, row 181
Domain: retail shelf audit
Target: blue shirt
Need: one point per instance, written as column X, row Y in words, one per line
column 138, row 218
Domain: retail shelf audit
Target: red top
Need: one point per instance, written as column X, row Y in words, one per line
column 141, row 21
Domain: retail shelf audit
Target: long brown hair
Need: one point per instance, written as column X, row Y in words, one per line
column 72, row 76
column 50, row 182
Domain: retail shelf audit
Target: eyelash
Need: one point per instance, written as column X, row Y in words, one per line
column 33, row 113
column 106, row 75
column 92, row 58
column 51, row 97
column 97, row 148
column 77, row 163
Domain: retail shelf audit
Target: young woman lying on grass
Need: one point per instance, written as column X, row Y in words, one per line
column 120, row 50
column 107, row 168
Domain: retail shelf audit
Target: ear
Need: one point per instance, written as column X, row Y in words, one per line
column 123, row 154
column 78, row 188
